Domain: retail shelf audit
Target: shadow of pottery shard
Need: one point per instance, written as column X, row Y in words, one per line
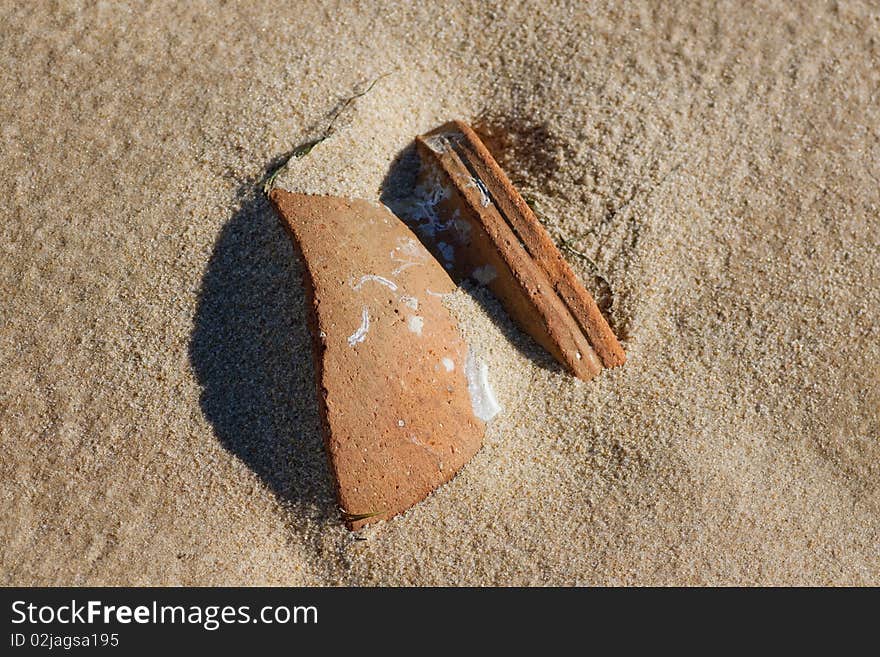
column 399, row 416
column 482, row 228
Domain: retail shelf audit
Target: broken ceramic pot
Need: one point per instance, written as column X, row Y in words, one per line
column 403, row 402
column 480, row 227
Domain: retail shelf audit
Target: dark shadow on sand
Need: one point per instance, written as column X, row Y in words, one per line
column 251, row 353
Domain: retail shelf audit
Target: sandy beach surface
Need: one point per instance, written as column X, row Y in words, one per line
column 712, row 168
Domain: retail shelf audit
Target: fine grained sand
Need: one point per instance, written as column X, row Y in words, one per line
column 719, row 166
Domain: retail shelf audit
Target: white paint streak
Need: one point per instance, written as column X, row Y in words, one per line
column 391, row 285
column 415, row 324
column 403, row 267
column 407, row 253
column 361, row 334
column 448, row 363
column 484, row 193
column 423, row 208
column 482, row 396
column 410, row 302
column 409, row 247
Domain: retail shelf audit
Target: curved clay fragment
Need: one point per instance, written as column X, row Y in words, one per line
column 489, row 232
column 398, row 420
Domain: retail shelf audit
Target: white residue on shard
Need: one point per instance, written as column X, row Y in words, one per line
column 483, row 400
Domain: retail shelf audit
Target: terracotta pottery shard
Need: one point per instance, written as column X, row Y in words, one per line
column 483, row 229
column 398, row 419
